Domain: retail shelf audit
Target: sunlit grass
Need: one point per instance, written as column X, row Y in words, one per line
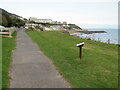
column 98, row 67
column 8, row 44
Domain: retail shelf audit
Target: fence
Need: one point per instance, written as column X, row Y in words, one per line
column 9, row 33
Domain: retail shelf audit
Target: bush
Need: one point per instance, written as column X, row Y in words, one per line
column 30, row 28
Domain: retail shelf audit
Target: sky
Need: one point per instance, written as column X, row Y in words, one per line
column 85, row 13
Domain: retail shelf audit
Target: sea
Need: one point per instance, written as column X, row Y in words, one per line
column 110, row 37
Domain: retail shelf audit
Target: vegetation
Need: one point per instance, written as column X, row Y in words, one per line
column 47, row 24
column 9, row 19
column 97, row 69
column 8, row 44
column 31, row 28
column 17, row 22
column 74, row 26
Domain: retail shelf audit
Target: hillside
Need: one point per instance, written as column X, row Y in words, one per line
column 8, row 19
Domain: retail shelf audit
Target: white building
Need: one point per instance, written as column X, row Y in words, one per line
column 57, row 27
column 33, row 19
column 45, row 20
column 40, row 20
column 30, row 24
column 47, row 29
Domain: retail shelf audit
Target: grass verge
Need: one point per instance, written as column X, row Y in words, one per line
column 0, row 62
column 8, row 44
column 98, row 67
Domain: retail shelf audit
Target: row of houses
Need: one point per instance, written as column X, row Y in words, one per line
column 34, row 19
column 48, row 24
column 40, row 20
column 54, row 27
column 46, row 28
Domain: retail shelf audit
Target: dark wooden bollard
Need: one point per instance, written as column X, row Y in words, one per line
column 80, row 52
column 80, row 45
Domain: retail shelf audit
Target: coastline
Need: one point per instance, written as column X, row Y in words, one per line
column 86, row 31
column 105, row 36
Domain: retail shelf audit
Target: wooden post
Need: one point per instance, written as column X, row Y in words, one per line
column 10, row 34
column 80, row 52
column 80, row 45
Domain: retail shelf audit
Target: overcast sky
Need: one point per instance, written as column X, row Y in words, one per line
column 85, row 13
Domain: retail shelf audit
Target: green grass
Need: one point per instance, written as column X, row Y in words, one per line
column 98, row 67
column 8, row 44
column 0, row 62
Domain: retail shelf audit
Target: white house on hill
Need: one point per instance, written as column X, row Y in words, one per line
column 40, row 20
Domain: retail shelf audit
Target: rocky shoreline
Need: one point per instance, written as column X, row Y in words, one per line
column 90, row 32
column 86, row 31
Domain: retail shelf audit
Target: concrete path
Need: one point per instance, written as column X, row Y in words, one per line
column 31, row 68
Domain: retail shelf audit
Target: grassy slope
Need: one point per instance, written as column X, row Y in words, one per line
column 8, row 44
column 97, row 69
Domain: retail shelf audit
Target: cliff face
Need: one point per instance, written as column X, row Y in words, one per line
column 8, row 19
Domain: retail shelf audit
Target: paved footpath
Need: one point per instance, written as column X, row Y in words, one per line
column 31, row 68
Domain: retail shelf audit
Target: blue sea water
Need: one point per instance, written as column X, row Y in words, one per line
column 111, row 35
